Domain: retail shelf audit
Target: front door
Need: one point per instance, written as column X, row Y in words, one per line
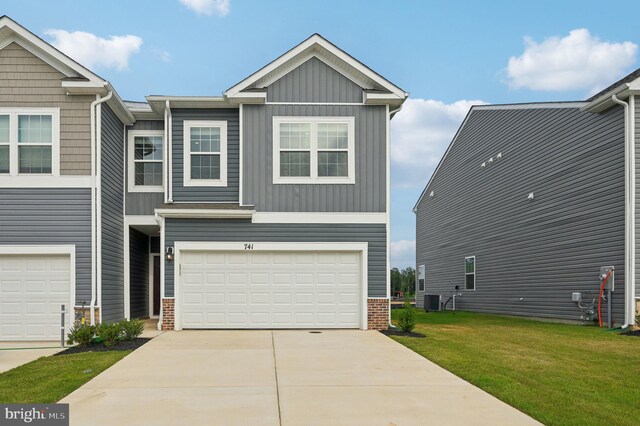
column 156, row 285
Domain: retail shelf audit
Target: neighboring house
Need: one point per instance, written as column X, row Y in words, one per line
column 529, row 201
column 267, row 207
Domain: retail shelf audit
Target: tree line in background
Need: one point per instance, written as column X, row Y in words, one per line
column 403, row 282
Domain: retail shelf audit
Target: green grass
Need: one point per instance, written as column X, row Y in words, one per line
column 559, row 374
column 49, row 379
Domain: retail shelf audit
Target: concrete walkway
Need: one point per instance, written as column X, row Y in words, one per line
column 14, row 354
column 282, row 378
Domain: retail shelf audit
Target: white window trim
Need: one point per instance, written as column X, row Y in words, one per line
column 475, row 269
column 131, row 170
column 314, row 178
column 187, row 181
column 13, row 114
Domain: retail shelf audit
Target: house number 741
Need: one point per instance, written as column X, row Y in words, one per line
column 248, row 246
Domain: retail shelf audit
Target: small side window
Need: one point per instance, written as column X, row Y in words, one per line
column 421, row 278
column 470, row 273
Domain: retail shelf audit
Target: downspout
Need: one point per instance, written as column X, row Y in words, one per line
column 629, row 185
column 96, row 219
column 168, row 125
column 388, row 177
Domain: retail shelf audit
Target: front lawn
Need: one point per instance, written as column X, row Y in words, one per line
column 49, row 379
column 559, row 374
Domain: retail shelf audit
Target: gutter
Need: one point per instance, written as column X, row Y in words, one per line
column 629, row 212
column 205, row 213
column 96, row 204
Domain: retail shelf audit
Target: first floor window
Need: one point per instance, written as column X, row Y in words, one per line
column 421, row 273
column 313, row 150
column 470, row 273
column 29, row 141
column 205, row 153
column 146, row 153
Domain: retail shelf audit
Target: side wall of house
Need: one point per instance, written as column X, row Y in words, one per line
column 530, row 254
column 112, row 178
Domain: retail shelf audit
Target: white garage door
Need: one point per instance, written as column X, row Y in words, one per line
column 260, row 289
column 32, row 288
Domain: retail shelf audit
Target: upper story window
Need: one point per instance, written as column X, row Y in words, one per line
column 146, row 153
column 205, row 153
column 30, row 141
column 470, row 273
column 313, row 150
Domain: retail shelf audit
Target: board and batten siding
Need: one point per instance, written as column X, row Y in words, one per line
column 112, row 177
column 206, row 194
column 245, row 231
column 530, row 254
column 28, row 81
column 314, row 81
column 39, row 216
column 139, row 273
column 368, row 194
column 142, row 203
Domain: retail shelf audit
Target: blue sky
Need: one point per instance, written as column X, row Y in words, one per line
column 447, row 54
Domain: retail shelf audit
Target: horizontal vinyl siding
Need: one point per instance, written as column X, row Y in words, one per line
column 637, row 157
column 139, row 273
column 530, row 255
column 112, row 217
column 314, row 81
column 28, row 81
column 34, row 216
column 142, row 203
column 368, row 194
column 206, row 194
column 244, row 231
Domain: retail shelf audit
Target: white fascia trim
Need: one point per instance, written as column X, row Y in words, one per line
column 131, row 175
column 140, row 220
column 64, row 249
column 180, row 246
column 315, row 217
column 205, row 213
column 45, row 181
column 186, row 172
column 314, row 179
column 315, row 40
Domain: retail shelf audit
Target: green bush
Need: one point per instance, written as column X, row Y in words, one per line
column 110, row 333
column 131, row 329
column 407, row 317
column 82, row 334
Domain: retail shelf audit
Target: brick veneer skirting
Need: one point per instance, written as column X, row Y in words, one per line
column 168, row 314
column 378, row 314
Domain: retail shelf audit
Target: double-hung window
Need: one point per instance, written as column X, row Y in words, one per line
column 146, row 153
column 470, row 273
column 30, row 141
column 313, row 150
column 205, row 153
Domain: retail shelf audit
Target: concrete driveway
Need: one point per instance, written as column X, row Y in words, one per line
column 14, row 354
column 282, row 378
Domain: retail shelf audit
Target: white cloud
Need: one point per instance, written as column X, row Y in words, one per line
column 578, row 61
column 209, row 7
column 420, row 134
column 403, row 253
column 96, row 52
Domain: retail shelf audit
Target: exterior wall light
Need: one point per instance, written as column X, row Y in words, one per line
column 169, row 254
column 530, row 197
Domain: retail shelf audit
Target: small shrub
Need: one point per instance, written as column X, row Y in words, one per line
column 82, row 334
column 407, row 317
column 110, row 333
column 131, row 329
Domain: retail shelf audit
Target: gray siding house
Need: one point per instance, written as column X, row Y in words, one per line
column 265, row 207
column 529, row 202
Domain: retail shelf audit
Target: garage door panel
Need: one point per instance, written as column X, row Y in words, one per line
column 270, row 290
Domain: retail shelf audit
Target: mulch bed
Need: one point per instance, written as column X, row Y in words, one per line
column 131, row 345
column 631, row 333
column 402, row 333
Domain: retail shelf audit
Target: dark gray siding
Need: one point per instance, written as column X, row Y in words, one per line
column 142, row 203
column 112, row 217
column 530, row 255
column 368, row 194
column 637, row 146
column 38, row 216
column 138, row 273
column 203, row 193
column 314, row 81
column 241, row 230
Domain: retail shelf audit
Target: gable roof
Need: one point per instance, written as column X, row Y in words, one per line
column 627, row 85
column 626, row 79
column 319, row 47
column 78, row 80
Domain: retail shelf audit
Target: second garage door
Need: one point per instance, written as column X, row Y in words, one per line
column 260, row 289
